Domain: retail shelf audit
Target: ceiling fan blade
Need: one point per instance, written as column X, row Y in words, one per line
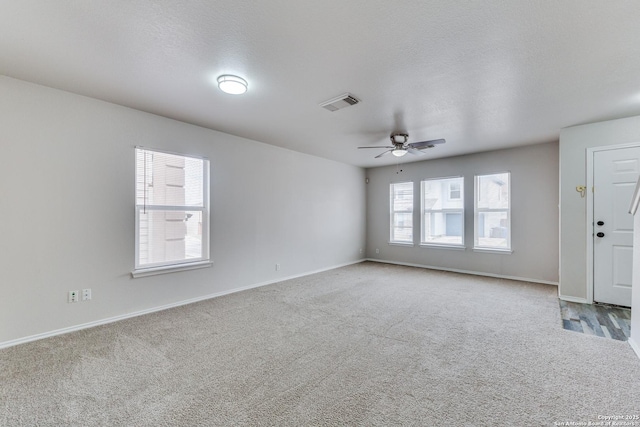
column 382, row 154
column 378, row 146
column 426, row 144
column 416, row 152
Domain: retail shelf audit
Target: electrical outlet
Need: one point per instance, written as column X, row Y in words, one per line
column 73, row 296
column 377, row 250
column 86, row 294
column 361, row 250
column 277, row 267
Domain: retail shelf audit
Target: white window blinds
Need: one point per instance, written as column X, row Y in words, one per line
column 401, row 207
column 172, row 209
column 493, row 211
column 443, row 211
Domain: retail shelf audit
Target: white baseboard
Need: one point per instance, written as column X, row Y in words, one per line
column 634, row 345
column 573, row 299
column 74, row 328
column 456, row 270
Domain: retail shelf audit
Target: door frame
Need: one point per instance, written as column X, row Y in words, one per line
column 589, row 218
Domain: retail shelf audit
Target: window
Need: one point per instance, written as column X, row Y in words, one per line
column 455, row 190
column 402, row 212
column 443, row 211
column 172, row 211
column 493, row 211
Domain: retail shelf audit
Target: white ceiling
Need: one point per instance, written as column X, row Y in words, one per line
column 481, row 74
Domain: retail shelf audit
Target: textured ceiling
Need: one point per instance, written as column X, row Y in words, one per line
column 481, row 74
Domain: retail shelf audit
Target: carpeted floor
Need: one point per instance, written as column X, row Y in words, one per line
column 369, row 344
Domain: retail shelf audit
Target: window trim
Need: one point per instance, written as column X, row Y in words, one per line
column 405, row 244
column 455, row 247
column 392, row 211
column 152, row 271
column 178, row 265
column 493, row 250
column 476, row 211
column 461, row 211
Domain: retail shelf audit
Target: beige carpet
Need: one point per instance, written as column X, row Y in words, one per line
column 369, row 344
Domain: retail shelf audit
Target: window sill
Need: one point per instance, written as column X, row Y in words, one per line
column 401, row 244
column 436, row 246
column 494, row 251
column 152, row 271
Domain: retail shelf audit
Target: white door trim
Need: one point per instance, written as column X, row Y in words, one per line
column 589, row 201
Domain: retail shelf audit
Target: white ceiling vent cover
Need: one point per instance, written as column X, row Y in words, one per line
column 339, row 102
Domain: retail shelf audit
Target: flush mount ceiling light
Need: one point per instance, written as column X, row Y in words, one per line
column 233, row 85
column 398, row 152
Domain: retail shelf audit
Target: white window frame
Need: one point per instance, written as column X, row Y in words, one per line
column 423, row 211
column 478, row 211
column 175, row 265
column 393, row 211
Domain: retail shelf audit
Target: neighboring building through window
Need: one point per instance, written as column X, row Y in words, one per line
column 455, row 189
column 493, row 211
column 172, row 209
column 401, row 212
column 443, row 211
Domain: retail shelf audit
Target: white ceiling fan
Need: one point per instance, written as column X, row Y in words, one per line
column 401, row 147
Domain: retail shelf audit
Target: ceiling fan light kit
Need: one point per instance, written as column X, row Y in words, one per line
column 399, row 152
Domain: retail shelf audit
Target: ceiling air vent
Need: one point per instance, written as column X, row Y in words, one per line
column 342, row 101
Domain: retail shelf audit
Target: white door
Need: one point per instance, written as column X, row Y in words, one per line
column 615, row 173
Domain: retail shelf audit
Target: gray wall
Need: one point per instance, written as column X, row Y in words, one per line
column 534, row 208
column 574, row 142
column 67, row 210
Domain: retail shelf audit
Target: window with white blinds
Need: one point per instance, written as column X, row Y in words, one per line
column 443, row 211
column 493, row 211
column 401, row 207
column 172, row 210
